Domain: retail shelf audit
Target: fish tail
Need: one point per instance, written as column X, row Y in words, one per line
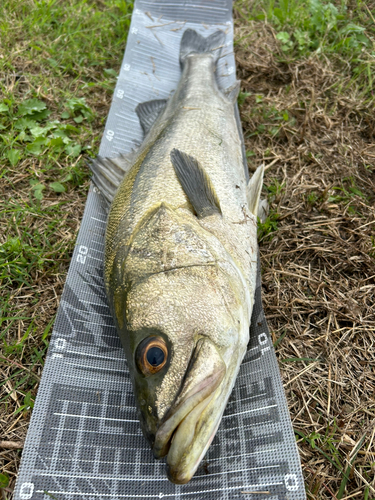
column 194, row 43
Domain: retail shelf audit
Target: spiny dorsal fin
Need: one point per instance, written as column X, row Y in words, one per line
column 253, row 190
column 196, row 184
column 194, row 43
column 148, row 112
column 108, row 173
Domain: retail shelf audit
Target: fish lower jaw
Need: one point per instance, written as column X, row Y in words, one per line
column 180, row 459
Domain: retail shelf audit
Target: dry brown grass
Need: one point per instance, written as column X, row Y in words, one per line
column 319, row 265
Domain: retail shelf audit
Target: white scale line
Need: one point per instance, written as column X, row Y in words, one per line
column 96, row 418
column 100, row 234
column 95, row 250
column 263, row 422
column 109, row 380
column 98, row 404
column 248, row 411
column 244, row 455
column 92, row 284
column 127, row 118
column 103, row 478
column 95, row 258
column 245, row 399
column 96, row 356
column 156, row 462
column 248, row 374
column 271, row 435
column 100, row 220
column 96, row 304
column 129, row 141
column 98, row 242
column 110, row 431
column 156, row 495
column 95, row 367
column 92, row 323
column 240, row 470
column 89, row 476
column 91, row 265
column 101, row 335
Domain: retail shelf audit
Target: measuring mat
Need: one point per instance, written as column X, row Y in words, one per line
column 85, row 440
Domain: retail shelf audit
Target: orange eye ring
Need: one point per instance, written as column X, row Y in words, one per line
column 152, row 355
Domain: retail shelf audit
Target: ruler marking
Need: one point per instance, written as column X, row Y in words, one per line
column 95, row 258
column 90, row 367
column 244, row 399
column 93, row 323
column 67, row 474
column 110, row 431
column 248, row 411
column 91, row 283
column 156, row 495
column 96, row 304
column 108, row 380
column 99, row 220
column 100, row 404
column 96, row 356
column 96, row 418
column 156, row 462
column 96, row 250
column 115, row 337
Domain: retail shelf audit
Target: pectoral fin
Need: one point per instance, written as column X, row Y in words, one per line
column 263, row 210
column 108, row 173
column 196, row 184
column 254, row 189
column 232, row 92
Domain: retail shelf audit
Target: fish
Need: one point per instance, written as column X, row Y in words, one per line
column 181, row 257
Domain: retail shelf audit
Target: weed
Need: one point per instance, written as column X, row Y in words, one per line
column 4, row 480
column 312, row 198
column 28, row 404
column 347, row 195
column 242, row 96
column 275, row 188
column 323, row 28
column 30, row 131
column 314, row 26
column 267, row 228
column 271, row 121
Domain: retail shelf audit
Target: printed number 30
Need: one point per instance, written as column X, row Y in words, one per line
column 81, row 257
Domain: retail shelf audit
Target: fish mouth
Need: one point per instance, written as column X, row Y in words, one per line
column 191, row 423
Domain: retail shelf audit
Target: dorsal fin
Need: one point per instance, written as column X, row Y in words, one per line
column 148, row 112
column 196, row 184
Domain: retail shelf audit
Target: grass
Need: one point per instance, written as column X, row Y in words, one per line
column 58, row 68
column 307, row 103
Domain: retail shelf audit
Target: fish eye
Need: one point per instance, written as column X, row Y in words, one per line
column 151, row 355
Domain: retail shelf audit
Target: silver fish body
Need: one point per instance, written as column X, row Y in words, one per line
column 180, row 259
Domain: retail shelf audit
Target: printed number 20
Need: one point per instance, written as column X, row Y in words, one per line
column 81, row 257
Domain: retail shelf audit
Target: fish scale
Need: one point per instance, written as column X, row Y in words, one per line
column 84, row 439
